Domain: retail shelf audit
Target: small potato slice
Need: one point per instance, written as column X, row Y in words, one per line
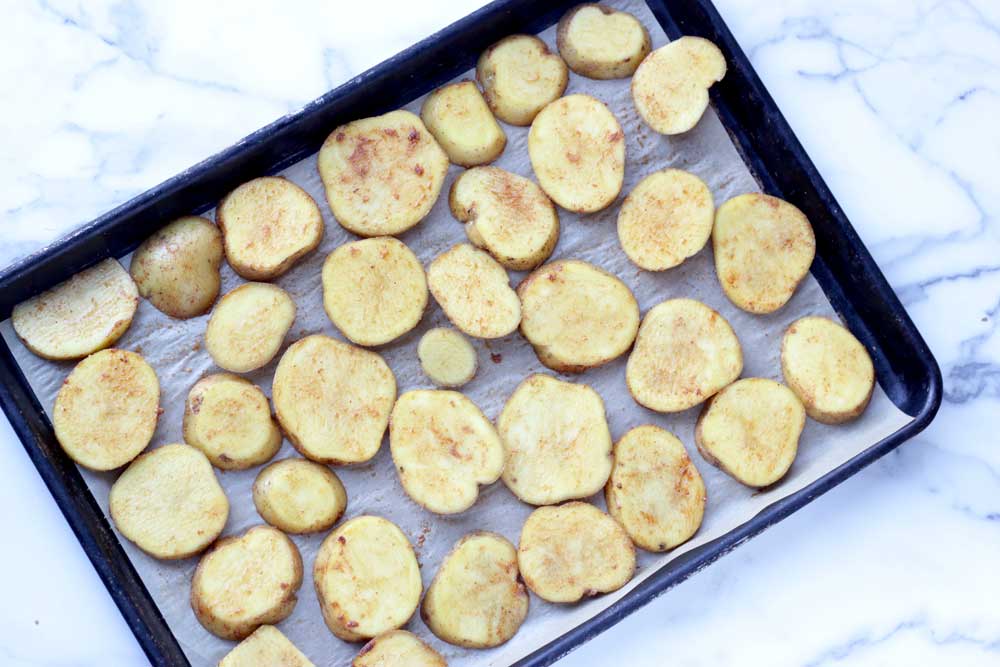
column 572, row 551
column 333, row 399
column 557, row 441
column 245, row 582
column 519, row 76
column 447, row 357
column 460, row 120
column 670, row 87
column 382, row 174
column 299, row 496
column 507, row 215
column 106, row 410
column 751, row 430
column 398, row 648
column 266, row 647
column 474, row 292
column 367, row 578
column 602, row 43
column 828, row 369
column 177, row 268
column 374, row 290
column 763, row 247
column 248, row 325
column 477, row 599
column 655, row 492
column 684, row 353
column 79, row 316
column 576, row 315
column 169, row 502
column 577, row 149
column 267, row 225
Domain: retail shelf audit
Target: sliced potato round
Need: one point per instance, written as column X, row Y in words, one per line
column 267, row 646
column 447, row 357
column 474, row 292
column 576, row 315
column 460, row 120
column 367, row 578
column 763, row 247
column 106, row 410
column 333, row 399
column 398, row 648
column 383, row 174
column 572, row 551
column 248, row 326
column 828, row 369
column 169, row 502
column 299, row 496
column 685, row 352
column 602, row 43
column 519, row 76
column 79, row 316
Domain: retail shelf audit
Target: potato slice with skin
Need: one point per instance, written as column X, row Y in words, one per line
column 398, row 648
column 267, row 646
column 460, row 120
column 519, row 76
column 248, row 326
column 169, row 502
column 602, row 43
column 474, row 292
column 79, row 316
column 299, row 496
column 572, row 551
column 447, row 357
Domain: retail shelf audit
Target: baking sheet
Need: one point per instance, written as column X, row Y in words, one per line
column 175, row 350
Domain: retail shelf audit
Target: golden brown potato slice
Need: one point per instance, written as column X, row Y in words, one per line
column 374, row 290
column 447, row 357
column 572, row 551
column 670, row 87
column 602, row 43
column 79, row 316
column 763, row 249
column 684, row 353
column 367, row 578
column 169, row 502
column 398, row 648
column 576, row 315
column 248, row 326
column 474, row 292
column 333, row 399
column 382, row 174
column 460, row 120
column 266, row 647
column 106, row 410
column 519, row 76
column 751, row 430
column 299, row 496
column 828, row 369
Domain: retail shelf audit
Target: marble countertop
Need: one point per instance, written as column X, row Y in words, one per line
column 897, row 101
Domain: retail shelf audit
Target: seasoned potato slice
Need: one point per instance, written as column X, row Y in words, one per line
column 374, row 290
column 763, row 249
column 447, row 357
column 828, row 369
column 398, row 648
column 267, row 225
column 248, row 325
column 79, row 316
column 572, row 551
column 576, row 315
column 751, row 429
column 602, row 43
column 169, row 502
column 266, row 647
column 684, row 353
column 382, row 174
column 556, row 439
column 333, row 399
column 474, row 292
column 460, row 120
column 507, row 215
column 299, row 496
column 367, row 578
column 577, row 149
column 655, row 491
column 519, row 76
column 670, row 87
column 106, row 410
column 245, row 582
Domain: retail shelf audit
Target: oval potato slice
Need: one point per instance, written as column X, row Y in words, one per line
column 447, row 357
column 474, row 292
column 519, row 76
column 460, row 120
column 600, row 42
column 248, row 325
column 398, row 648
column 266, row 646
column 299, row 496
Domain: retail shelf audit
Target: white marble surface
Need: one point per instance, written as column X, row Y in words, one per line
column 898, row 103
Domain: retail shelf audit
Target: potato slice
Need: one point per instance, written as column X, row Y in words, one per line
column 655, row 492
column 374, row 290
column 519, row 76
column 299, row 496
column 557, row 441
column 245, row 582
column 577, row 149
column 248, row 326
column 602, row 43
column 474, row 292
column 460, row 120
column 670, row 87
column 507, row 215
column 382, row 174
column 267, row 646
column 398, row 648
column 572, row 551
column 169, row 502
column 106, row 410
column 828, row 369
column 763, row 249
column 751, row 430
column 447, row 357
column 576, row 315
column 684, row 353
column 267, row 225
column 333, row 399
column 79, row 316
column 367, row 578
